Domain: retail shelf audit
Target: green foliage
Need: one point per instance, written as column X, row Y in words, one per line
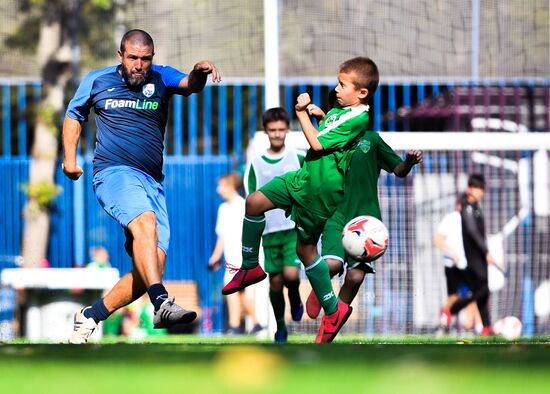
column 95, row 23
column 48, row 115
column 43, row 192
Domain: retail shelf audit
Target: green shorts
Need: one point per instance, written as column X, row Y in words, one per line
column 309, row 224
column 331, row 242
column 280, row 251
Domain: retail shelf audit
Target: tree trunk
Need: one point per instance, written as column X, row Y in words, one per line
column 54, row 56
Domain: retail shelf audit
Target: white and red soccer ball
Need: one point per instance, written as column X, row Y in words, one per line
column 509, row 327
column 365, row 238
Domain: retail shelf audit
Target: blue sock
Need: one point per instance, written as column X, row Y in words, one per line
column 157, row 295
column 97, row 311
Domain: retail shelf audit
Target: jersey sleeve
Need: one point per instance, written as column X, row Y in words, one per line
column 339, row 133
column 81, row 104
column 386, row 156
column 170, row 76
column 250, row 183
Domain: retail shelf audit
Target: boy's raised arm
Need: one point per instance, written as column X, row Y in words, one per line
column 308, row 129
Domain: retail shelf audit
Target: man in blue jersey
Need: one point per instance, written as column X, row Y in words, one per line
column 131, row 101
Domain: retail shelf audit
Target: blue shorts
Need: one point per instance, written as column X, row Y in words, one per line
column 125, row 193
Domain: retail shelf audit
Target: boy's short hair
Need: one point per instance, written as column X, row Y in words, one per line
column 233, row 179
column 274, row 115
column 477, row 181
column 366, row 73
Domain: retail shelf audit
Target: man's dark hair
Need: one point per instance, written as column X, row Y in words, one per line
column 366, row 73
column 477, row 181
column 274, row 115
column 136, row 36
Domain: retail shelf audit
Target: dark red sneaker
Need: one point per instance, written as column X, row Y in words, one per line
column 331, row 324
column 487, row 331
column 313, row 307
column 243, row 278
column 445, row 318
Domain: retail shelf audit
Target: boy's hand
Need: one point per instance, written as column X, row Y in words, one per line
column 302, row 102
column 314, row 110
column 414, row 157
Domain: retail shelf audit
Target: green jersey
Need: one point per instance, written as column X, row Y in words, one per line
column 361, row 185
column 318, row 186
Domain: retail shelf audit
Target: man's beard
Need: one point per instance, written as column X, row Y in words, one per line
column 131, row 80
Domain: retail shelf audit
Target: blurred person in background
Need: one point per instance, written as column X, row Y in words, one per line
column 476, row 252
column 99, row 258
column 448, row 239
column 228, row 245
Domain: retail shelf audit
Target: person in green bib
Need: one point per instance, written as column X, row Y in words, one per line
column 311, row 194
column 360, row 198
column 279, row 237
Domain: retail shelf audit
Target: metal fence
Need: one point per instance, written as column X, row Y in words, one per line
column 206, row 137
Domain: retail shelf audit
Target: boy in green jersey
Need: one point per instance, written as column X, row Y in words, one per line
column 279, row 237
column 310, row 195
column 360, row 198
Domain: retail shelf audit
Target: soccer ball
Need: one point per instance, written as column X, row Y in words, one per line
column 509, row 327
column 365, row 238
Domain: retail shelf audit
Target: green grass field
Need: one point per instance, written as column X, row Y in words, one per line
column 193, row 364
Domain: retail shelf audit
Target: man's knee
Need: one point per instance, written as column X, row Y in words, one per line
column 145, row 225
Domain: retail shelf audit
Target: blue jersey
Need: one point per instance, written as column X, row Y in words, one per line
column 130, row 121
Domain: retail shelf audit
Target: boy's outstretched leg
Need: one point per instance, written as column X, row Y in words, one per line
column 253, row 226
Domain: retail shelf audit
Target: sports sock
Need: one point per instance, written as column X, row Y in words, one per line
column 319, row 276
column 97, row 311
column 278, row 303
column 253, row 227
column 294, row 293
column 157, row 295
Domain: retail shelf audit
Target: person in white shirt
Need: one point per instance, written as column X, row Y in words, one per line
column 448, row 239
column 228, row 244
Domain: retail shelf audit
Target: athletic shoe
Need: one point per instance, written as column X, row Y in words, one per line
column 445, row 318
column 170, row 314
column 256, row 329
column 297, row 313
column 487, row 331
column 313, row 307
column 281, row 336
column 83, row 328
column 243, row 278
column 331, row 324
column 233, row 331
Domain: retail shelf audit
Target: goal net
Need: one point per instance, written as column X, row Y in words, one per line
column 408, row 289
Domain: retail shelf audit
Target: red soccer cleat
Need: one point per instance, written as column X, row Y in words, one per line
column 487, row 331
column 313, row 307
column 243, row 278
column 445, row 318
column 331, row 324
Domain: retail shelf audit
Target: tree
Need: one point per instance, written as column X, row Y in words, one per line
column 51, row 31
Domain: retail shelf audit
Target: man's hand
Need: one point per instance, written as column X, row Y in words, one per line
column 72, row 172
column 207, row 67
column 302, row 102
column 490, row 259
column 414, row 157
